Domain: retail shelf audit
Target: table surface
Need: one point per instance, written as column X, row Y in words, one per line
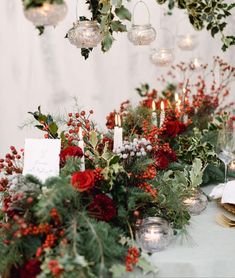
column 207, row 251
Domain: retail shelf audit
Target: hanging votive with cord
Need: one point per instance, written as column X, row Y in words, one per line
column 163, row 55
column 84, row 33
column 186, row 41
column 141, row 34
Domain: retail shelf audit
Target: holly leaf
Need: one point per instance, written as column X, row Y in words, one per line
column 123, row 13
column 53, row 128
column 196, row 173
column 146, row 266
column 118, row 270
column 93, row 139
column 214, row 31
column 107, row 42
column 117, row 26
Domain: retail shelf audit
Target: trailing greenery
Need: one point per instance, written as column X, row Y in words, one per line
column 112, row 14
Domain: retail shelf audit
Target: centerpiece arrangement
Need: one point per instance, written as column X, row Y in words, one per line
column 116, row 191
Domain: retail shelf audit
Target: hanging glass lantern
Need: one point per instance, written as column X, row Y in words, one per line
column 47, row 14
column 187, row 42
column 141, row 34
column 85, row 34
column 162, row 57
column 154, row 234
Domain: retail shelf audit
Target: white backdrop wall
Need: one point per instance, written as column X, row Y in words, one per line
column 48, row 71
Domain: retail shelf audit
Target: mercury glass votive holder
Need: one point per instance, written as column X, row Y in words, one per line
column 141, row 34
column 47, row 14
column 196, row 203
column 85, row 34
column 162, row 57
column 154, row 234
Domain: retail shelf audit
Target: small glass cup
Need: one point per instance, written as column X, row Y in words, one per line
column 196, row 203
column 154, row 234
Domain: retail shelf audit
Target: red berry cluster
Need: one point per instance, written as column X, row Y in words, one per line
column 149, row 174
column 75, row 122
column 55, row 268
column 148, row 188
column 55, row 216
column 12, row 163
column 132, row 258
column 98, row 174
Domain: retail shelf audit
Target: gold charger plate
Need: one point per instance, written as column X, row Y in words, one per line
column 228, row 207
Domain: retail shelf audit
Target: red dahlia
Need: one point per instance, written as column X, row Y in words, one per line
column 30, row 269
column 173, row 128
column 102, row 208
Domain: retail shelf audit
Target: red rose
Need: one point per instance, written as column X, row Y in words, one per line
column 173, row 128
column 102, row 208
column 30, row 269
column 71, row 151
column 83, row 181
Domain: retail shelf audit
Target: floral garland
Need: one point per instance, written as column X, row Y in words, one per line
column 66, row 226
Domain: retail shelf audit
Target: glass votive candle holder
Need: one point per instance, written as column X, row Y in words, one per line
column 187, row 42
column 196, row 203
column 47, row 14
column 162, row 57
column 141, row 34
column 154, row 234
column 85, row 34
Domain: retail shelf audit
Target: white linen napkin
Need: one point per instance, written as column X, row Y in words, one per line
column 229, row 193
column 217, row 191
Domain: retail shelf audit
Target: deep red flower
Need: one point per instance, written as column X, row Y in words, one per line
column 30, row 269
column 163, row 159
column 162, row 162
column 173, row 128
column 71, row 151
column 102, row 208
column 83, row 181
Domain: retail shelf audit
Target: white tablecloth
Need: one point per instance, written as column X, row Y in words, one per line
column 209, row 252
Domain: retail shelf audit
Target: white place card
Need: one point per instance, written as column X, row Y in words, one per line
column 229, row 193
column 41, row 158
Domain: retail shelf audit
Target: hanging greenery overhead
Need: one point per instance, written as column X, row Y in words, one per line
column 113, row 14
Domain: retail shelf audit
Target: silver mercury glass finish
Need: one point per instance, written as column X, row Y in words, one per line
column 162, row 57
column 154, row 234
column 142, row 34
column 196, row 203
column 85, row 34
column 47, row 14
